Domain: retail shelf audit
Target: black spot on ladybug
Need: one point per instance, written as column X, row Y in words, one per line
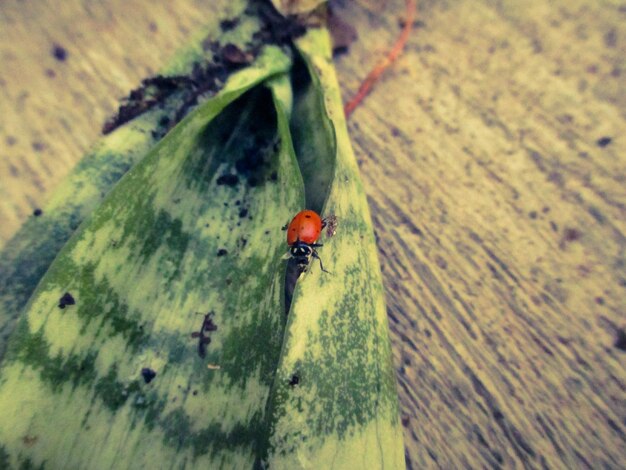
column 67, row 299
column 243, row 212
column 603, row 141
column 227, row 180
column 148, row 374
column 620, row 340
column 295, row 380
column 307, row 216
column 222, row 252
column 59, row 53
column 37, row 212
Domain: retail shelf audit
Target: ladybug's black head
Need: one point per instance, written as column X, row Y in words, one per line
column 301, row 251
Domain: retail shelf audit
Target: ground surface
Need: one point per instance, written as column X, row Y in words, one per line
column 494, row 156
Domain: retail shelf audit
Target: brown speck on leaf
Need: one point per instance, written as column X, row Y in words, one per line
column 203, row 338
column 29, row 441
column 603, row 141
column 331, row 223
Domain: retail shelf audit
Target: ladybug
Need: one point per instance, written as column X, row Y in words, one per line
column 302, row 233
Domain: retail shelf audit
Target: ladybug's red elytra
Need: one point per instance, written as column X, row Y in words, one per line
column 306, row 227
column 302, row 233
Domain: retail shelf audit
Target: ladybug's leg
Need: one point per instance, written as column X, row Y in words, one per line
column 316, row 256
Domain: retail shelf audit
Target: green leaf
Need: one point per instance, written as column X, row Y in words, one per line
column 161, row 335
column 193, row 228
column 344, row 412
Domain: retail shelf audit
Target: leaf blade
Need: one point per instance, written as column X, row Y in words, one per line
column 343, row 412
column 139, row 270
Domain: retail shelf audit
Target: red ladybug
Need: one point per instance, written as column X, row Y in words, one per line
column 302, row 233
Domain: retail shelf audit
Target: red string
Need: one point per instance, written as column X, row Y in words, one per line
column 389, row 59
